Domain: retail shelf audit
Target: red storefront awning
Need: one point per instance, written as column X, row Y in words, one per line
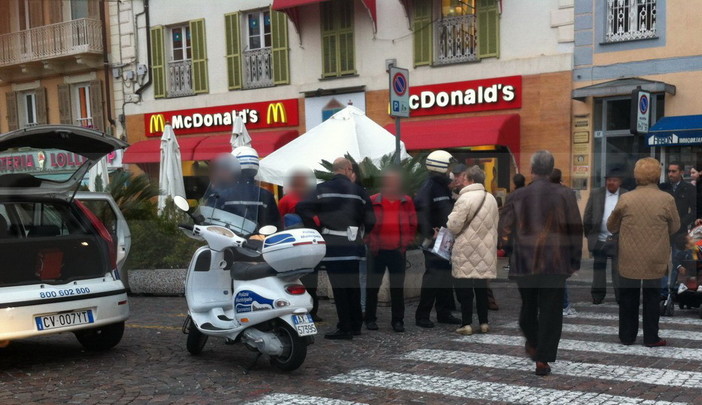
column 264, row 143
column 290, row 7
column 449, row 133
column 149, row 151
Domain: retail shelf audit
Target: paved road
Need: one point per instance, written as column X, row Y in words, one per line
column 151, row 365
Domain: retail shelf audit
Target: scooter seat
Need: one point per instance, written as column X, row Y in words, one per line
column 245, row 271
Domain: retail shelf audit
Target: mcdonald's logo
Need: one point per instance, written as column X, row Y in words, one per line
column 157, row 123
column 276, row 113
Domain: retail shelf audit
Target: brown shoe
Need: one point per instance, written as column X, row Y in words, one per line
column 542, row 368
column 659, row 343
column 530, row 350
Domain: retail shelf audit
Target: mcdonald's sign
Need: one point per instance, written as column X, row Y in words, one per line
column 260, row 115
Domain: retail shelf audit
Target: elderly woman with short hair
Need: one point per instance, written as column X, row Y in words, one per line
column 644, row 219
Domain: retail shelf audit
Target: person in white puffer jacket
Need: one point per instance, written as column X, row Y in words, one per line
column 474, row 222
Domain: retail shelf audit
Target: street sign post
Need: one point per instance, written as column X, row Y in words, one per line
column 399, row 102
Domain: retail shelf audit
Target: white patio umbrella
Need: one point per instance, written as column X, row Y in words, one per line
column 170, row 176
column 240, row 135
column 99, row 171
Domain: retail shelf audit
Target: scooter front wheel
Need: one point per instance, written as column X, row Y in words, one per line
column 196, row 340
column 294, row 348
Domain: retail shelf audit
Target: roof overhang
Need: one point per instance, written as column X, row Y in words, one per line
column 622, row 87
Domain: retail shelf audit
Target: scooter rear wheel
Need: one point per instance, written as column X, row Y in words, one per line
column 295, row 348
column 196, row 340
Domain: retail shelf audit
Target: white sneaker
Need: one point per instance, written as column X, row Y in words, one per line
column 484, row 328
column 465, row 330
column 569, row 311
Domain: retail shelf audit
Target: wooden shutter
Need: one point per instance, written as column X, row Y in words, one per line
column 42, row 112
column 65, row 106
column 338, row 53
column 199, row 52
column 97, row 108
column 347, row 65
column 488, row 29
column 36, row 13
column 5, row 27
column 233, row 44
column 158, row 62
column 329, row 41
column 55, row 10
column 281, row 61
column 11, row 106
column 423, row 30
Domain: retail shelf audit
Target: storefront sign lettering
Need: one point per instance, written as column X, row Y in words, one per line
column 476, row 95
column 39, row 161
column 281, row 113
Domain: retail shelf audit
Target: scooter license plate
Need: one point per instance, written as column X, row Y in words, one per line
column 304, row 325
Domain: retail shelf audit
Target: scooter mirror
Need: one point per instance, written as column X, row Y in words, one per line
column 181, row 203
column 268, row 230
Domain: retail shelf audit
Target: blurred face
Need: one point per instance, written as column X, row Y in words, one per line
column 392, row 184
column 299, row 185
column 694, row 174
column 674, row 173
column 613, row 184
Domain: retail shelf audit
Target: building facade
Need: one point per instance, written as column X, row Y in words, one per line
column 622, row 45
column 489, row 81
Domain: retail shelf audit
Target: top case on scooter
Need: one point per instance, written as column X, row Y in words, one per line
column 294, row 249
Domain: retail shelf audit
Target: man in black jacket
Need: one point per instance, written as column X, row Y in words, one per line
column 343, row 212
column 434, row 204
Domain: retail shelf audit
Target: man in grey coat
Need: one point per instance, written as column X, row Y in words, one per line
column 599, row 207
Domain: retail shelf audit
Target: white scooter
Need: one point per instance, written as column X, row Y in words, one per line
column 248, row 290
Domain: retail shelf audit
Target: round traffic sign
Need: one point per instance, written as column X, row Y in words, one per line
column 643, row 104
column 399, row 84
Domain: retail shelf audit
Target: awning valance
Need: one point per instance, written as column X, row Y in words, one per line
column 449, row 133
column 290, row 7
column 149, row 151
column 622, row 87
column 264, row 143
column 680, row 130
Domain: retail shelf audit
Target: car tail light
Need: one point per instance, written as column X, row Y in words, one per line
column 102, row 232
column 295, row 289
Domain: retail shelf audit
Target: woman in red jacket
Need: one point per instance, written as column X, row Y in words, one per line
column 395, row 229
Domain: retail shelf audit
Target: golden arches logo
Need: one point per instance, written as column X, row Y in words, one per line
column 276, row 113
column 157, row 123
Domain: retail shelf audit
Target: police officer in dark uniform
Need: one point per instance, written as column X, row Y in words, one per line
column 434, row 204
column 343, row 212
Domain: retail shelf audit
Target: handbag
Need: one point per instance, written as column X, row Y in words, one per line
column 611, row 245
column 443, row 246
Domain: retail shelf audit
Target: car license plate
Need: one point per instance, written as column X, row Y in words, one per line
column 56, row 321
column 304, row 325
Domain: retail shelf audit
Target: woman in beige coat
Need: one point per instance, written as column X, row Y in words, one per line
column 644, row 219
column 474, row 222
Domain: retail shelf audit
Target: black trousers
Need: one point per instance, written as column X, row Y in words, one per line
column 437, row 288
column 599, row 274
column 344, row 279
column 466, row 288
column 311, row 282
column 394, row 261
column 629, row 298
column 541, row 317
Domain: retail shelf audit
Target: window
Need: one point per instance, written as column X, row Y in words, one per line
column 179, row 59
column 258, row 26
column 28, row 109
column 338, row 57
column 180, row 66
column 181, row 48
column 81, row 105
column 629, row 20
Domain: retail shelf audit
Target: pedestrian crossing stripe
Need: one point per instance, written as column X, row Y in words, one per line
column 482, row 390
column 678, row 353
column 615, row 317
column 294, row 399
column 614, row 330
column 654, row 376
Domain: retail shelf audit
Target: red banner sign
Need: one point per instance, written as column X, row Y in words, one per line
column 270, row 114
column 503, row 93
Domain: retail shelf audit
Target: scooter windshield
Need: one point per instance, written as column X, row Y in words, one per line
column 234, row 205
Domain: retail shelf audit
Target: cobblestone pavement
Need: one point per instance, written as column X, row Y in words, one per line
column 151, row 364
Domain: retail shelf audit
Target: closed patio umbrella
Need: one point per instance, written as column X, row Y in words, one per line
column 99, row 171
column 170, row 176
column 240, row 136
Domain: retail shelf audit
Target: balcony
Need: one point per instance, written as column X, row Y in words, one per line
column 457, row 40
column 258, row 68
column 77, row 41
column 180, row 78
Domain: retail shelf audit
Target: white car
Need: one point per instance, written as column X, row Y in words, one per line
column 60, row 261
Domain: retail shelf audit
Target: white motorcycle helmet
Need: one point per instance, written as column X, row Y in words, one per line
column 439, row 161
column 248, row 160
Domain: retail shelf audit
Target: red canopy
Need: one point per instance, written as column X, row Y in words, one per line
column 462, row 132
column 264, row 143
column 149, row 151
column 289, row 7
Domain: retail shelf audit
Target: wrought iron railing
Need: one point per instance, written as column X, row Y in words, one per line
column 180, row 79
column 457, row 40
column 258, row 68
column 51, row 41
column 629, row 20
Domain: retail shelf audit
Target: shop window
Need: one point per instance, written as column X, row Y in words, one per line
column 629, row 20
column 338, row 53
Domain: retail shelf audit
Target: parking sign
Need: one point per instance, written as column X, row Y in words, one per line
column 399, row 92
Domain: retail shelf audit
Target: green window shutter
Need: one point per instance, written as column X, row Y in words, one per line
column 347, row 65
column 199, row 52
column 338, row 53
column 233, row 43
column 281, row 59
column 423, row 29
column 158, row 62
column 488, row 29
column 329, row 41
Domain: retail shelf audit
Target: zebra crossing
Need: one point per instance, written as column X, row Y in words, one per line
column 674, row 370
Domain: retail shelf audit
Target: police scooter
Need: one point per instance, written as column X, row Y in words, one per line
column 247, row 289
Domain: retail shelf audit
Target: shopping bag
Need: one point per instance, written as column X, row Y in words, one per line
column 443, row 244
